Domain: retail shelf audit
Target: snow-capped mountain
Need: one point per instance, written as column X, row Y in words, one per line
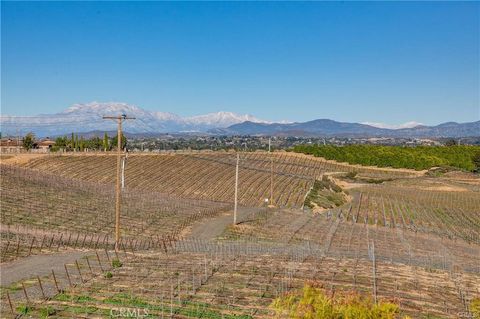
column 102, row 108
column 88, row 117
column 219, row 120
column 410, row 124
column 166, row 116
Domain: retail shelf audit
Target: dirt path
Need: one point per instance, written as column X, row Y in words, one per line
column 211, row 228
column 39, row 265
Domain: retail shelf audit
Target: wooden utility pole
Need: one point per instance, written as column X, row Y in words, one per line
column 124, row 159
column 271, row 170
column 236, row 191
column 119, row 120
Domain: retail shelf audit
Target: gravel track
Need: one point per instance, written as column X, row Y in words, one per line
column 37, row 265
column 209, row 229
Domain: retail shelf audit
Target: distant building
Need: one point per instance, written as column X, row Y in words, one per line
column 13, row 145
column 8, row 145
column 45, row 145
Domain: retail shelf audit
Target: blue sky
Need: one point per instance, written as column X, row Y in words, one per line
column 386, row 62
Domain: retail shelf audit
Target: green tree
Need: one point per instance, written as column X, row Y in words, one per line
column 418, row 157
column 105, row 142
column 95, row 143
column 115, row 141
column 450, row 142
column 81, row 144
column 60, row 143
column 29, row 141
column 476, row 163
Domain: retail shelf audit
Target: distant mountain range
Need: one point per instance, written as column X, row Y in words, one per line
column 87, row 117
column 325, row 127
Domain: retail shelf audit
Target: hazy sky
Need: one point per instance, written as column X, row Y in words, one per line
column 386, row 62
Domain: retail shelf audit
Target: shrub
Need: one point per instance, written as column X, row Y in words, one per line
column 47, row 312
column 475, row 308
column 23, row 309
column 116, row 263
column 108, row 275
column 315, row 302
column 351, row 175
column 326, row 194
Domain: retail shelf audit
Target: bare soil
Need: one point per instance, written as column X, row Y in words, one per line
column 19, row 159
column 445, row 188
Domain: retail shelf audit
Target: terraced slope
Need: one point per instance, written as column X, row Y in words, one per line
column 208, row 176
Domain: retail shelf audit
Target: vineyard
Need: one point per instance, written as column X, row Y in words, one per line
column 207, row 175
column 397, row 235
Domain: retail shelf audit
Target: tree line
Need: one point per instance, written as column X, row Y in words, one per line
column 466, row 157
column 76, row 143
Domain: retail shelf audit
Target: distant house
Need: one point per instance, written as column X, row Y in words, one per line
column 8, row 145
column 44, row 145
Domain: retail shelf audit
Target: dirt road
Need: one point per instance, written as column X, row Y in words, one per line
column 211, row 228
column 39, row 265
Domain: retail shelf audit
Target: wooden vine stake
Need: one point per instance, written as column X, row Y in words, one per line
column 55, row 281
column 25, row 293
column 10, row 304
column 41, row 287
column 68, row 275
